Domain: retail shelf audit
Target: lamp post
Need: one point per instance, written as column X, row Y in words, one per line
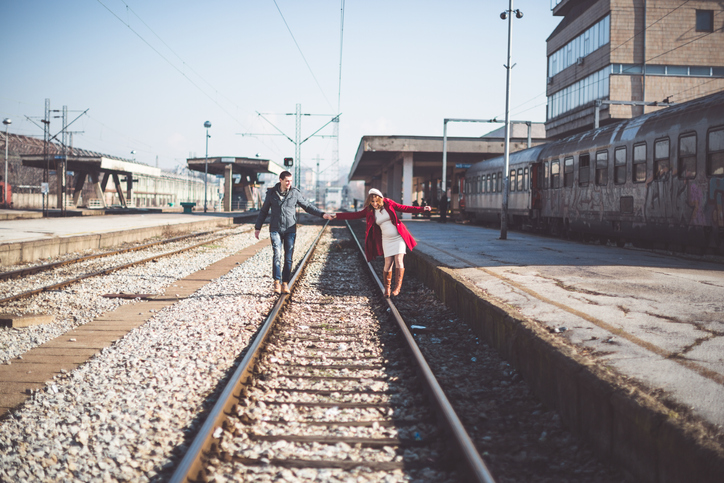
column 7, row 121
column 207, row 125
column 507, row 14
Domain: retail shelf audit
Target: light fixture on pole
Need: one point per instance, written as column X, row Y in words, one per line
column 7, row 121
column 207, row 125
column 508, row 14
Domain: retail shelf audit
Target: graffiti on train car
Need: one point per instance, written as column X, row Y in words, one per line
column 716, row 201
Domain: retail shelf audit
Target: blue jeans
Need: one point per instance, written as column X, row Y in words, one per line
column 277, row 239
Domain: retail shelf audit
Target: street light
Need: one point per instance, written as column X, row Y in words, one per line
column 207, row 125
column 7, row 121
column 507, row 14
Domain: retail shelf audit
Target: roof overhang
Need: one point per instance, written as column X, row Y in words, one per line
column 376, row 152
column 90, row 163
column 243, row 166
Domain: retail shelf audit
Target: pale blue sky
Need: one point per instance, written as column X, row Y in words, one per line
column 406, row 65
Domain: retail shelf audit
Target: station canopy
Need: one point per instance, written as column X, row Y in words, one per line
column 239, row 166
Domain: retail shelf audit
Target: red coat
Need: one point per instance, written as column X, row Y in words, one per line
column 373, row 234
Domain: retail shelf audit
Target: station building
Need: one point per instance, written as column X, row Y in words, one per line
column 618, row 59
column 91, row 179
column 409, row 169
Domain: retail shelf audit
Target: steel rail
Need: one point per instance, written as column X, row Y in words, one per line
column 105, row 271
column 21, row 272
column 471, row 458
column 192, row 462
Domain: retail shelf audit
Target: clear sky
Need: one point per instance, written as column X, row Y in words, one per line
column 151, row 72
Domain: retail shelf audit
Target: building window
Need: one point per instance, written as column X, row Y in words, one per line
column 602, row 168
column 661, row 158
column 586, row 90
column 687, row 156
column 555, row 174
column 584, row 169
column 588, row 42
column 568, row 172
column 705, row 20
column 639, row 163
column 715, row 153
column 619, row 165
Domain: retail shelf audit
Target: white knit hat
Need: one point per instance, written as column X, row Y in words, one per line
column 375, row 191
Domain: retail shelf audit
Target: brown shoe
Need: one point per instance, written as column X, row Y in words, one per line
column 277, row 287
column 285, row 287
column 399, row 274
column 387, row 281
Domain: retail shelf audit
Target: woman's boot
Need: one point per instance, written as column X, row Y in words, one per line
column 398, row 281
column 387, row 281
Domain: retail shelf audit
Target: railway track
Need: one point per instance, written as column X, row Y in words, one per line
column 67, row 270
column 333, row 385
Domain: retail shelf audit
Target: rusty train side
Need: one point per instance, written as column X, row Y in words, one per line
column 653, row 179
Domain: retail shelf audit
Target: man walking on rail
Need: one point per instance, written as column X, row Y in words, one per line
column 282, row 199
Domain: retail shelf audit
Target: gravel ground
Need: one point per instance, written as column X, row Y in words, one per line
column 80, row 303
column 128, row 414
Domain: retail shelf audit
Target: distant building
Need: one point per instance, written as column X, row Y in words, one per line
column 645, row 51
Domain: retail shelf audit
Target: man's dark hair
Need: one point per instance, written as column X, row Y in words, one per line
column 285, row 174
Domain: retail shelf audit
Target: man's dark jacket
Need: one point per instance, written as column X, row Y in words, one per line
column 283, row 211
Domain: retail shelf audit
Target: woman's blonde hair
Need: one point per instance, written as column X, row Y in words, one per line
column 370, row 197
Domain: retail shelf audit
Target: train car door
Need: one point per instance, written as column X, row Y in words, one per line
column 536, row 170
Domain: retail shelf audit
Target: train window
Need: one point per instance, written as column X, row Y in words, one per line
column 602, row 168
column 661, row 158
column 687, row 156
column 499, row 184
column 715, row 153
column 486, row 183
column 555, row 174
column 520, row 179
column 639, row 163
column 478, row 185
column 619, row 165
column 525, row 180
column 568, row 171
column 544, row 176
column 584, row 169
column 492, row 183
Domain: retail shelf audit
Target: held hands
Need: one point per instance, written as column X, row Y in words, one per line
column 427, row 208
column 329, row 216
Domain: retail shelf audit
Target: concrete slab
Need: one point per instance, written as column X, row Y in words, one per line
column 19, row 321
column 638, row 370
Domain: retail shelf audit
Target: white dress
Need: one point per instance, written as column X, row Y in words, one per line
column 392, row 242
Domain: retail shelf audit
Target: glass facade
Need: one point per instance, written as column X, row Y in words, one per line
column 589, row 41
column 595, row 86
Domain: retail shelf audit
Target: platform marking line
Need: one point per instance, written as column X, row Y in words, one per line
column 701, row 370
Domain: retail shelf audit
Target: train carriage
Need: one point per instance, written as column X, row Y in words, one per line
column 654, row 178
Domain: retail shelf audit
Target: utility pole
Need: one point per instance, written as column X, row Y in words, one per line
column 297, row 141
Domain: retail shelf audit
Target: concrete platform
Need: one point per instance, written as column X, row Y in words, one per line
column 19, row 214
column 27, row 240
column 627, row 345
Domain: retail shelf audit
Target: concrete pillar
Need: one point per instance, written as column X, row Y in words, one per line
column 228, row 180
column 394, row 190
column 129, row 189
column 407, row 182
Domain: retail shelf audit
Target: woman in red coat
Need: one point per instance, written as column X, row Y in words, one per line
column 385, row 235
